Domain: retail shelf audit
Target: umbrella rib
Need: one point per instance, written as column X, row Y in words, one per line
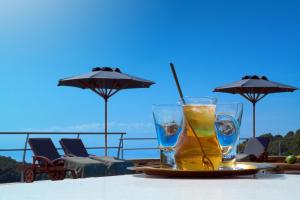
column 250, row 96
column 114, row 92
column 97, row 92
column 253, row 95
column 101, row 91
column 112, row 88
column 117, row 90
column 261, row 97
column 257, row 96
column 109, row 92
column 245, row 96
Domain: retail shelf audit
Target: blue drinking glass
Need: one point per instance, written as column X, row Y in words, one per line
column 168, row 120
column 227, row 126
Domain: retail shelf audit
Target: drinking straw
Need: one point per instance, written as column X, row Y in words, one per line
column 177, row 82
column 205, row 159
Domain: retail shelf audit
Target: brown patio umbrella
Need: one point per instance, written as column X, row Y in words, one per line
column 105, row 82
column 254, row 88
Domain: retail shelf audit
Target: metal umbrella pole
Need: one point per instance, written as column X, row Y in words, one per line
column 253, row 103
column 253, row 98
column 105, row 126
column 105, row 94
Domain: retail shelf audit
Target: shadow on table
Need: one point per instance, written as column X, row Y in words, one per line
column 257, row 176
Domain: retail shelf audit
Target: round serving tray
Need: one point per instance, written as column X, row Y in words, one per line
column 239, row 169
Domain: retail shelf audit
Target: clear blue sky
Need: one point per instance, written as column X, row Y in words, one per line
column 210, row 42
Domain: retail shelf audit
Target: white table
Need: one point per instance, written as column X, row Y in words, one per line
column 132, row 187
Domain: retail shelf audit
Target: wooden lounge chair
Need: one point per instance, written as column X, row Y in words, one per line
column 75, row 147
column 45, row 160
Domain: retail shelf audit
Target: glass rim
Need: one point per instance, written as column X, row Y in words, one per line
column 204, row 100
column 230, row 103
column 200, row 97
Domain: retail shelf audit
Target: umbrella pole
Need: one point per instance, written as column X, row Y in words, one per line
column 253, row 119
column 105, row 126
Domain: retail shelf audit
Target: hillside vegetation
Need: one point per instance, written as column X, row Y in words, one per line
column 8, row 170
column 289, row 144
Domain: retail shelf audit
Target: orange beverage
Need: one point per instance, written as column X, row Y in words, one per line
column 198, row 147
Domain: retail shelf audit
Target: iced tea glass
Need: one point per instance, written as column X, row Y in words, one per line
column 198, row 147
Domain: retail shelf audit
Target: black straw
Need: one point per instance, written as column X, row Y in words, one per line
column 177, row 82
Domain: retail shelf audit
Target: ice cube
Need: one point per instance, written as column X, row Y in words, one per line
column 170, row 128
column 226, row 127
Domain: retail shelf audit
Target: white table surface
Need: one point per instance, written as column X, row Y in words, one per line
column 132, row 187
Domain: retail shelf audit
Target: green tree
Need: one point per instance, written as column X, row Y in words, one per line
column 8, row 170
column 290, row 134
column 288, row 144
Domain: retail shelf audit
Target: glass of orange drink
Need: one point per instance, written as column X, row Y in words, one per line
column 198, row 147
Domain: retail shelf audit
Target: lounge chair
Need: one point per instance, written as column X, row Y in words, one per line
column 45, row 160
column 78, row 160
column 75, row 147
column 255, row 150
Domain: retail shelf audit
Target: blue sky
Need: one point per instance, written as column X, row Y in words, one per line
column 210, row 42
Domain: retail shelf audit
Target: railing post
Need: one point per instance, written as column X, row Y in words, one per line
column 120, row 142
column 238, row 146
column 24, row 156
column 78, row 135
column 279, row 147
column 122, row 149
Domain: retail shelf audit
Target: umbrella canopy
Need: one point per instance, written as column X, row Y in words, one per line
column 105, row 78
column 254, row 88
column 106, row 82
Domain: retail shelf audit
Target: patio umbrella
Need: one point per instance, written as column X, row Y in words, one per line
column 105, row 82
column 254, row 88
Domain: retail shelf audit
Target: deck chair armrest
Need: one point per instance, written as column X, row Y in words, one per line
column 58, row 161
column 70, row 155
column 43, row 159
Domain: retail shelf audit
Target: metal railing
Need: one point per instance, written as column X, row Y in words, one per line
column 120, row 147
column 137, row 148
column 77, row 134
